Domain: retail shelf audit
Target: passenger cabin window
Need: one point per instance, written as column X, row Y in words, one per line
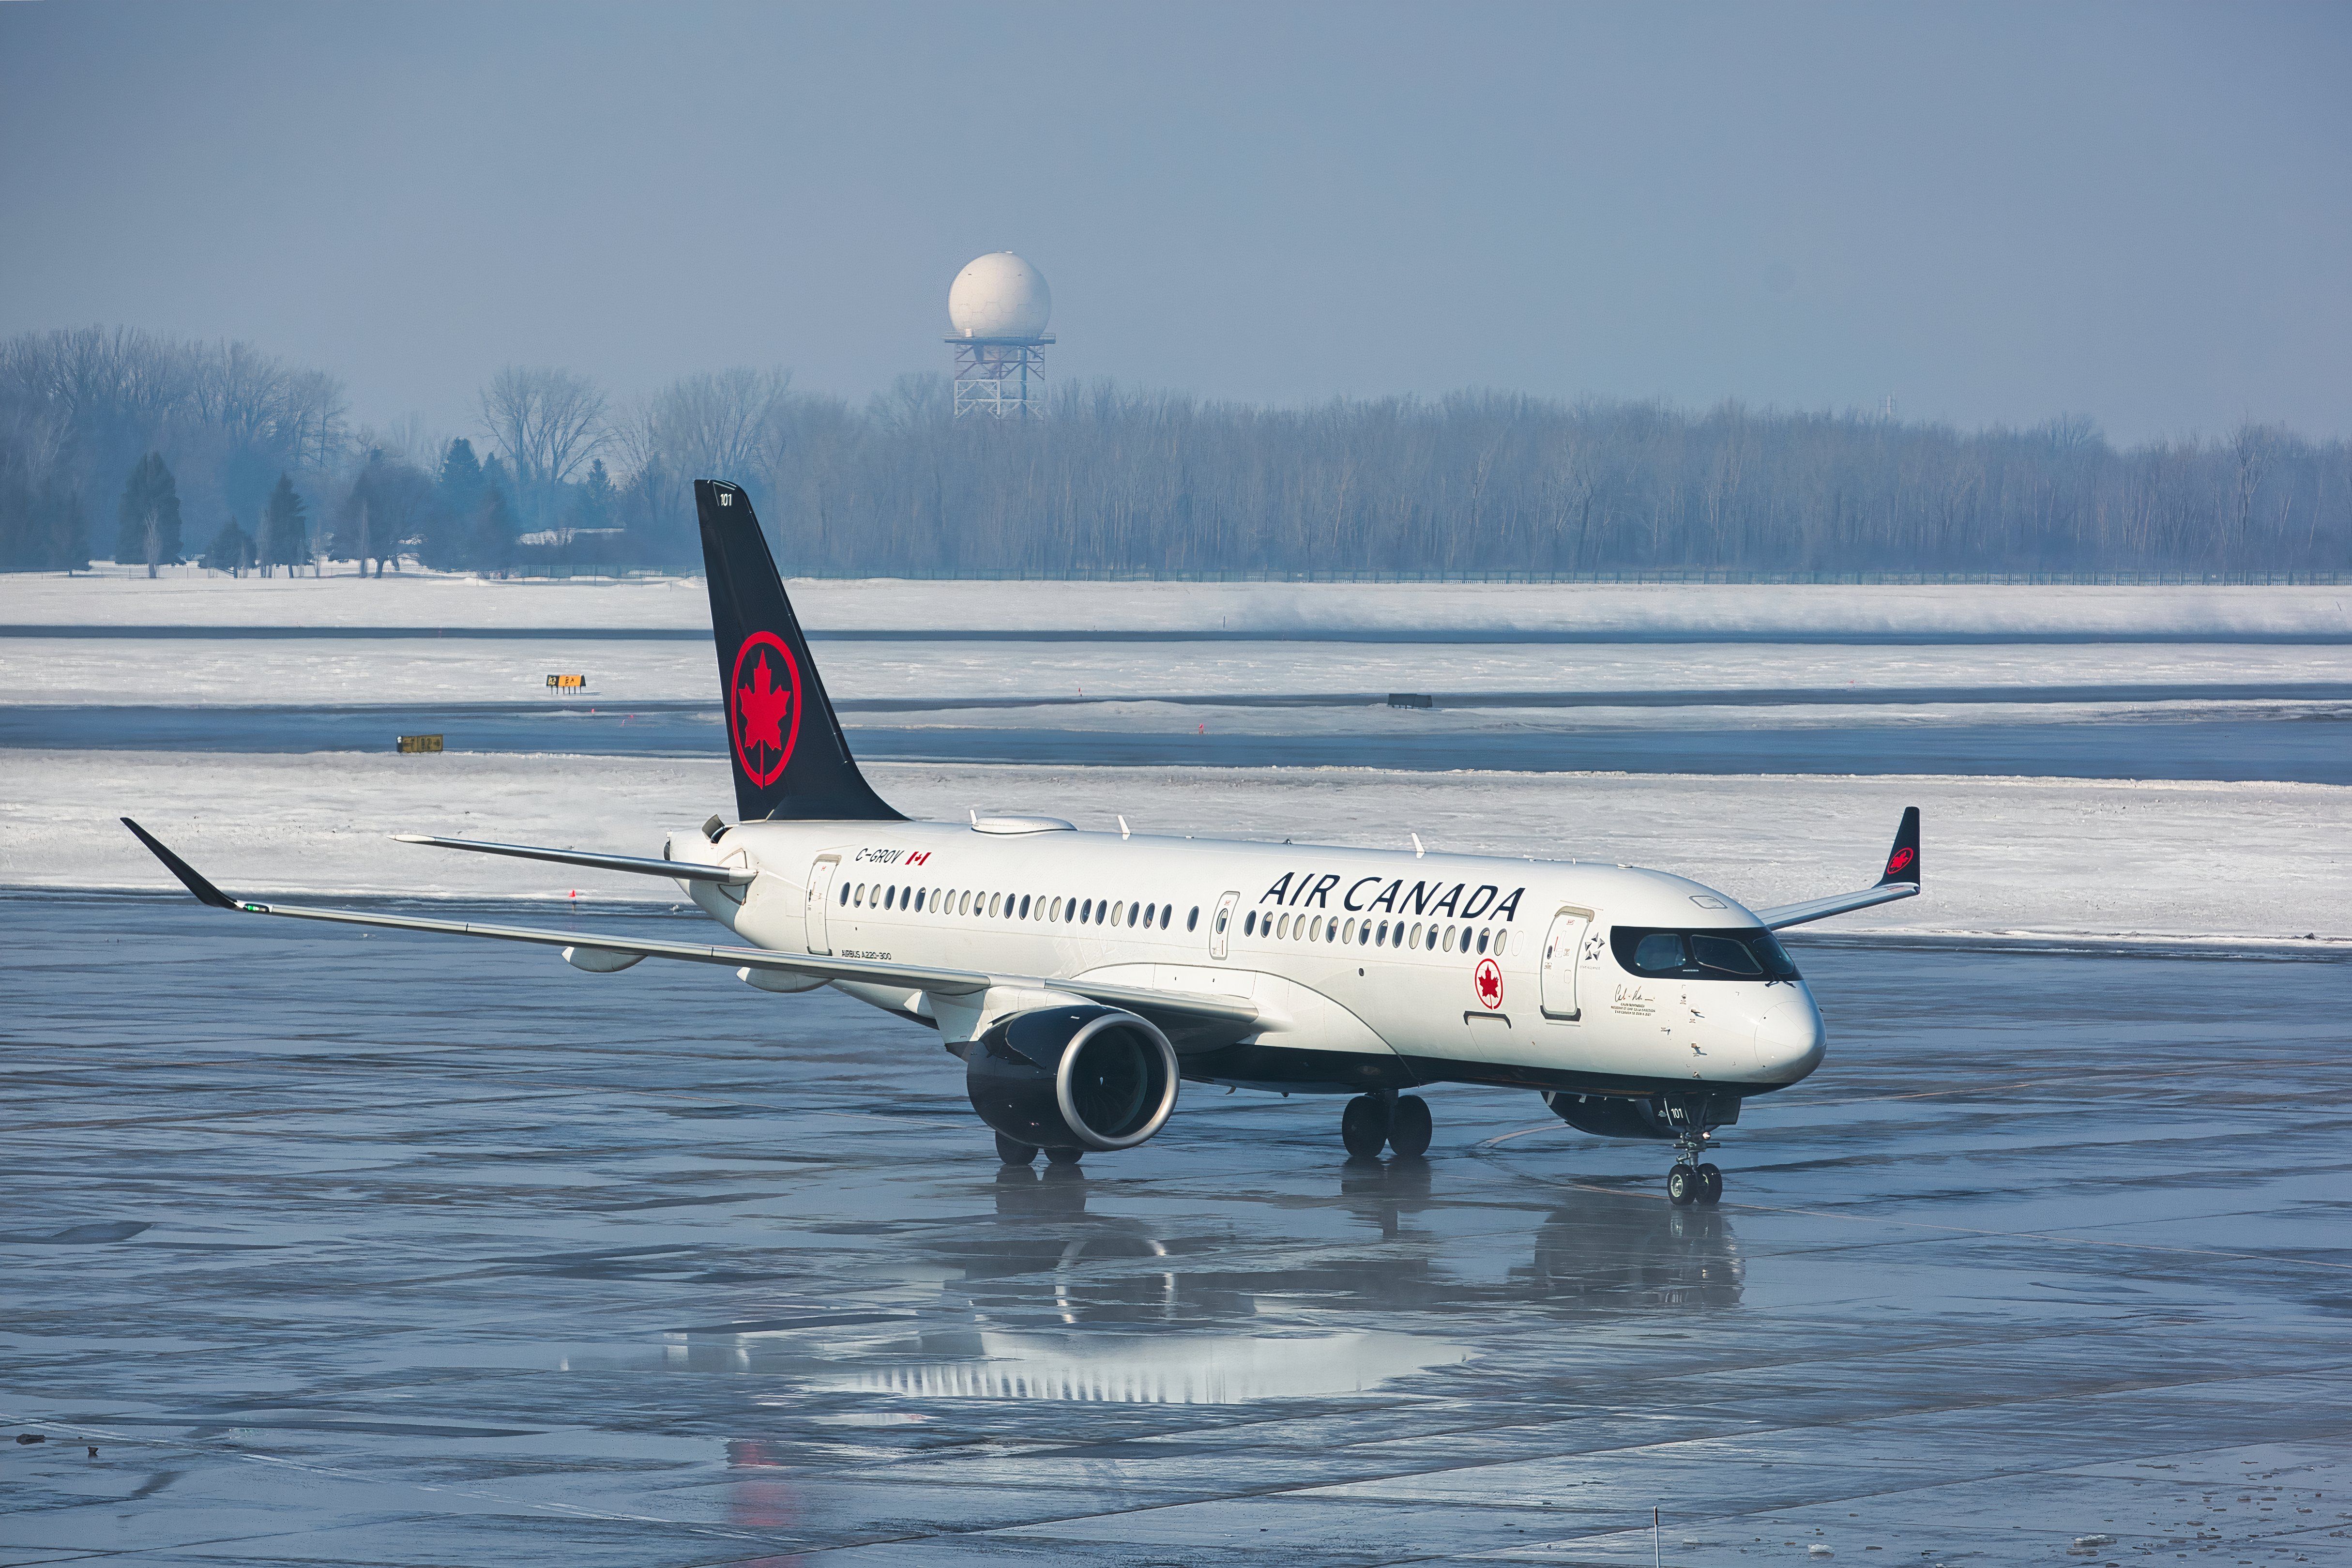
column 1700, row 954
column 1192, row 920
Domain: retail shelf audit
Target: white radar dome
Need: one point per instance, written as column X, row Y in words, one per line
column 999, row 296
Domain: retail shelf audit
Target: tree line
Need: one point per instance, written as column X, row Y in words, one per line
column 162, row 450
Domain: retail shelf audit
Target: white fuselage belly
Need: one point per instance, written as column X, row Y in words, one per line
column 1365, row 962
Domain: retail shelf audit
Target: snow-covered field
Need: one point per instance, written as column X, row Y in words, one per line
column 197, row 599
column 334, row 670
column 2254, row 861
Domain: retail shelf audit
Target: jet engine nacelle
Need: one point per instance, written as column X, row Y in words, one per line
column 1613, row 1116
column 1080, row 1076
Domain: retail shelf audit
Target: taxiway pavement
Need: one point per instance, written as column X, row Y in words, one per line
column 357, row 1248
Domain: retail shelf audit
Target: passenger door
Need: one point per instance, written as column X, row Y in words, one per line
column 1221, row 930
column 1561, row 945
column 820, row 898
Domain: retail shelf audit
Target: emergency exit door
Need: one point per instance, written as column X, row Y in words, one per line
column 1221, row 930
column 1562, row 944
column 820, row 898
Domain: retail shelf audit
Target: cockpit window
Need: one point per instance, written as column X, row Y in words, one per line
column 1660, row 952
column 1749, row 954
column 1727, row 953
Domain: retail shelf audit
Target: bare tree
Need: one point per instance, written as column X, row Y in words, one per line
column 547, row 422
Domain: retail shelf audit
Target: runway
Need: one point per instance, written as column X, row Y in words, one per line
column 2221, row 742
column 347, row 1248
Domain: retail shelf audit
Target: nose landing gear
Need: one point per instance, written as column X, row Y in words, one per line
column 1694, row 1179
column 1701, row 1183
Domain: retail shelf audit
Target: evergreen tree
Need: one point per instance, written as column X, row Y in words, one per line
column 496, row 481
column 596, row 501
column 149, row 514
column 445, row 538
column 493, row 544
column 230, row 550
column 459, row 483
column 285, row 536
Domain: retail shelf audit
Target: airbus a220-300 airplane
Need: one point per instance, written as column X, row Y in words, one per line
column 1080, row 977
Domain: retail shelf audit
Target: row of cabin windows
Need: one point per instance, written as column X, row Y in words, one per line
column 1014, row 906
column 1366, row 934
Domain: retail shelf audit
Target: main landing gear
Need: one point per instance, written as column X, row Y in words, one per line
column 1385, row 1117
column 1014, row 1153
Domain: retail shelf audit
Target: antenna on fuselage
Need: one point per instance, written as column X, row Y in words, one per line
column 1122, row 825
column 1417, row 850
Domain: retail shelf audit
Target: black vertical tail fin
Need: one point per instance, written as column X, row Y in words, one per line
column 786, row 748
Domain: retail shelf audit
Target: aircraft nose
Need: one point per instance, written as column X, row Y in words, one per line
column 1790, row 1039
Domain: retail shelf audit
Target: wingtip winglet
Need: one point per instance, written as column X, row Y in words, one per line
column 190, row 878
column 1902, row 859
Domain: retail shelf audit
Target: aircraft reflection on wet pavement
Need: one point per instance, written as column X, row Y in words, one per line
column 1150, row 1310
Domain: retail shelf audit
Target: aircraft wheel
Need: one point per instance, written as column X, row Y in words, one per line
column 1682, row 1186
column 1410, row 1127
column 1065, row 1156
column 1014, row 1153
column 1364, row 1126
column 1710, row 1185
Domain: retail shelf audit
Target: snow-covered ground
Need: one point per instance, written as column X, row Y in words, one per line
column 197, row 599
column 335, row 670
column 2254, row 861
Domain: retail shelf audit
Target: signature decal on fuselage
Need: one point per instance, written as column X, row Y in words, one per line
column 1634, row 1002
column 1309, row 890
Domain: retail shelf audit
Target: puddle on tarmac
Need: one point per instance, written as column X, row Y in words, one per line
column 1167, row 1369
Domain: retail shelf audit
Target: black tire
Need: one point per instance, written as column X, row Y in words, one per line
column 1409, row 1126
column 1364, row 1126
column 1065, row 1156
column 1682, row 1186
column 1014, row 1153
column 1710, row 1185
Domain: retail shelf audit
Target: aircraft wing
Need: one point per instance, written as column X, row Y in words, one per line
column 644, row 865
column 1899, row 879
column 915, row 977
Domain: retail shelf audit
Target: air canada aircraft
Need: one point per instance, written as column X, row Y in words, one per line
column 1081, row 977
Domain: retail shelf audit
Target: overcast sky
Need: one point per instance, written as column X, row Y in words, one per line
column 1993, row 215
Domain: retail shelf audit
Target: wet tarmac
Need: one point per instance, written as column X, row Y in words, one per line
column 370, row 1249
column 2224, row 743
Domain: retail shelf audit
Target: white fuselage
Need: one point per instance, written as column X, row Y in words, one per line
column 1368, row 968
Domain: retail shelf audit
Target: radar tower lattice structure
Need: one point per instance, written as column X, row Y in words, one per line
column 999, row 305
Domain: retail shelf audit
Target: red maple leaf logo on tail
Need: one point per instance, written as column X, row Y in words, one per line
column 764, row 709
column 1900, row 858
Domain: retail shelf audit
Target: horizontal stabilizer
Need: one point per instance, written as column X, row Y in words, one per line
column 641, row 865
